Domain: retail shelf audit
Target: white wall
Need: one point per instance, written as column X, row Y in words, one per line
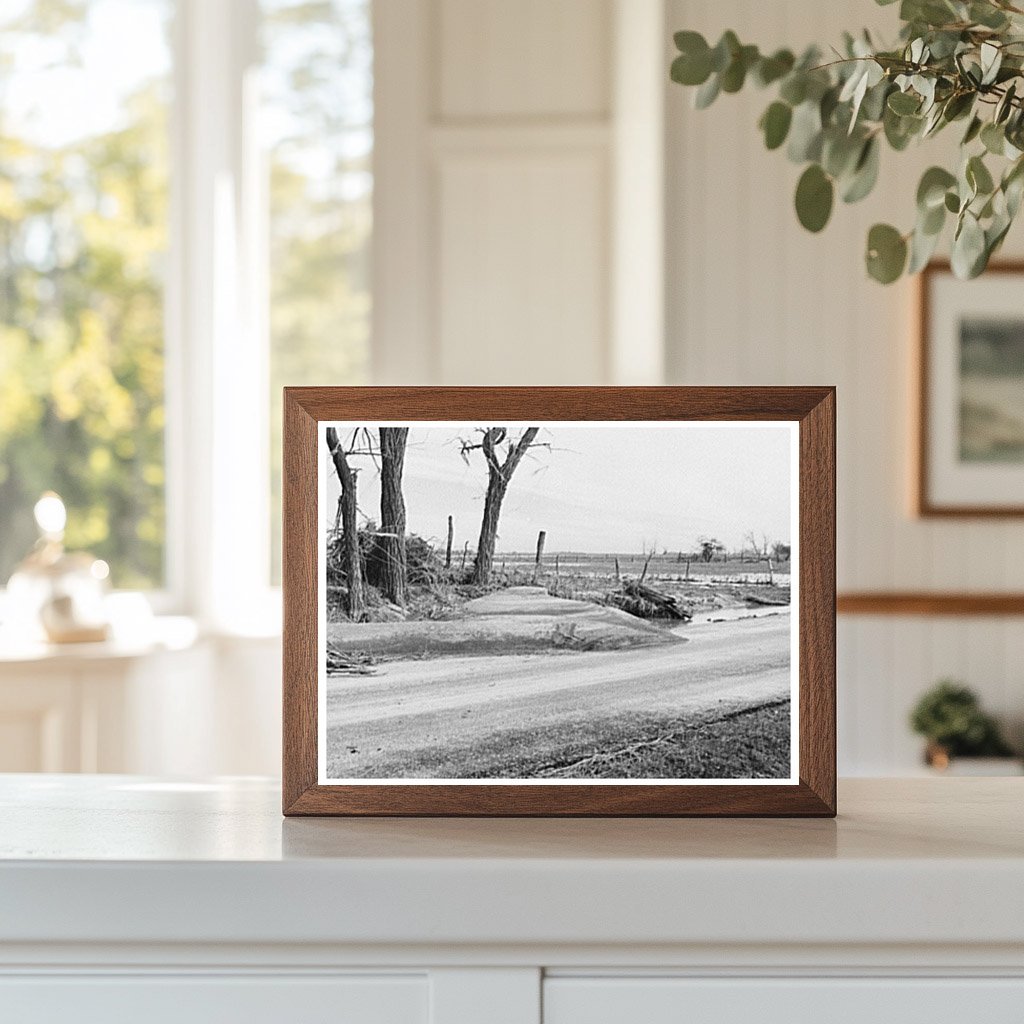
column 754, row 299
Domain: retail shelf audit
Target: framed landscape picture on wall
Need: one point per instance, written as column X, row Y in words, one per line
column 511, row 601
column 970, row 451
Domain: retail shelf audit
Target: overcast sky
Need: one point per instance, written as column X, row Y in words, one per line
column 599, row 489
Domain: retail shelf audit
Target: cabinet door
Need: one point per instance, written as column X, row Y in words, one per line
column 782, row 1001
column 202, row 999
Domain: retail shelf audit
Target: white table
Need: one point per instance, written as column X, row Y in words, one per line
column 125, row 898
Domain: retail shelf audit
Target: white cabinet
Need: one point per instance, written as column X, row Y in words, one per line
column 133, row 899
column 216, row 1000
column 624, row 1000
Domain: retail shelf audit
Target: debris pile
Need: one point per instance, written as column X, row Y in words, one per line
column 647, row 602
column 349, row 663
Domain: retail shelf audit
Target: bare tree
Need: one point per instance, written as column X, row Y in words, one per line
column 393, row 569
column 760, row 550
column 502, row 454
column 349, row 531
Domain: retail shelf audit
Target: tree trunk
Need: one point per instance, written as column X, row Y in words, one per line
column 489, row 530
column 349, row 528
column 394, row 570
column 499, row 474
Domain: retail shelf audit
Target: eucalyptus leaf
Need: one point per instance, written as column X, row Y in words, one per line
column 805, row 133
column 987, row 15
column 873, row 107
column 900, row 130
column 814, row 196
column 933, row 122
column 735, row 74
column 973, row 130
column 707, row 93
column 922, row 247
column 794, row 88
column 904, row 103
column 771, row 69
column 993, row 138
column 886, row 253
column 688, row 69
column 1013, row 187
column 991, row 60
column 724, row 51
column 931, row 190
column 968, row 254
column 978, row 176
column 931, row 222
column 840, row 152
column 827, row 106
column 1005, row 105
column 775, row 124
column 957, row 106
column 865, row 174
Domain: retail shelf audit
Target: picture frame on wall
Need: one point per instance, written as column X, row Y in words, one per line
column 559, row 601
column 970, row 417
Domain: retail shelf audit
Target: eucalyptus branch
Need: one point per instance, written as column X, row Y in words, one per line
column 956, row 61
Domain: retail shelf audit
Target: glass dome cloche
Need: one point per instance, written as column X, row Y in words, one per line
column 57, row 595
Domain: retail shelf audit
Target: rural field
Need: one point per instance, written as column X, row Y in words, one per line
column 498, row 650
column 447, row 696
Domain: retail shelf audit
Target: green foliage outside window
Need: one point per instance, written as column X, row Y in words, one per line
column 318, row 110
column 83, row 244
column 83, row 215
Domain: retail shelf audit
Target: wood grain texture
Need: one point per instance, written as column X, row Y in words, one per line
column 812, row 407
column 926, row 508
column 299, row 592
column 817, row 601
column 924, row 603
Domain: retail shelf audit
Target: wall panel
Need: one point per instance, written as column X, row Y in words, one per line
column 519, row 286
column 531, row 58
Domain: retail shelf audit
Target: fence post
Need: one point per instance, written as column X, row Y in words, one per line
column 448, row 550
column 541, row 537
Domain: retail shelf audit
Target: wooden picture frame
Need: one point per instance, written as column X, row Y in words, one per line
column 935, row 477
column 810, row 791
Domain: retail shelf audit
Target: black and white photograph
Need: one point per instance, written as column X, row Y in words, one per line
column 563, row 601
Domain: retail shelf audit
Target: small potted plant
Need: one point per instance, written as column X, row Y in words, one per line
column 950, row 718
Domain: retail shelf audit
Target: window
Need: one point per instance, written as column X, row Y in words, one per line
column 83, row 236
column 167, row 264
column 317, row 87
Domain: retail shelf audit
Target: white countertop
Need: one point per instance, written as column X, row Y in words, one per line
column 123, row 859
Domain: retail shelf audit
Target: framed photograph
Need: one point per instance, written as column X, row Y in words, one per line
column 970, row 451
column 559, row 601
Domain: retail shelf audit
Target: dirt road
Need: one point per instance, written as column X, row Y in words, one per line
column 459, row 702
